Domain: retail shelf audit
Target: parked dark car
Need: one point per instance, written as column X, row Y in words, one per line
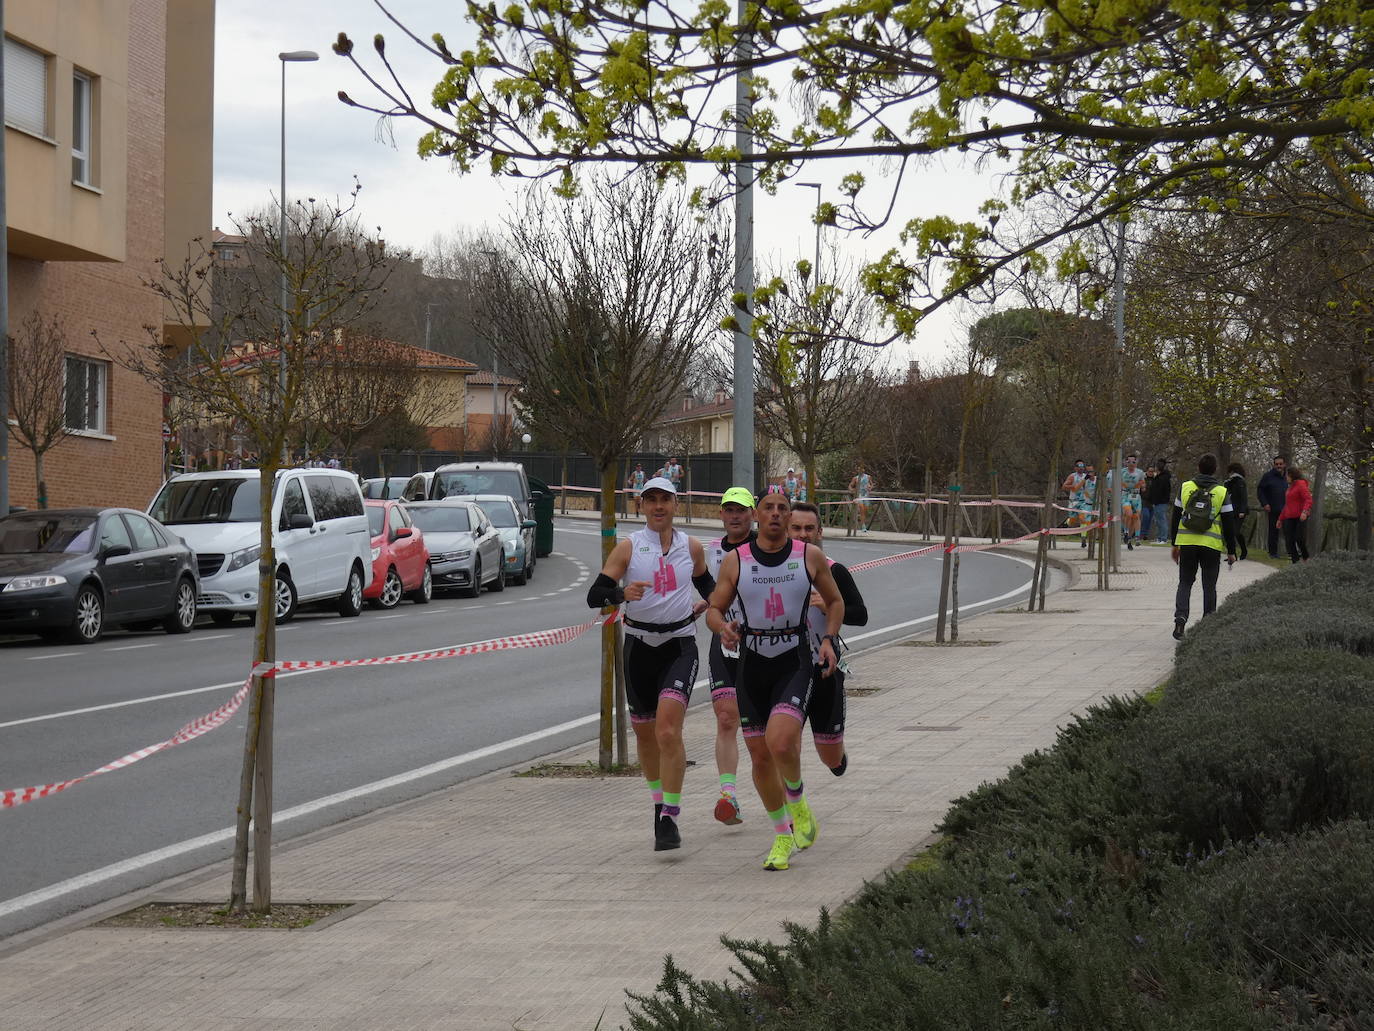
column 72, row 572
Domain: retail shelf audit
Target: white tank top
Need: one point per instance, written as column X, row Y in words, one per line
column 773, row 598
column 715, row 555
column 668, row 599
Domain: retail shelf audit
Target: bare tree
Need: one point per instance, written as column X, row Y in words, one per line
column 602, row 302
column 38, row 391
column 815, row 376
column 331, row 270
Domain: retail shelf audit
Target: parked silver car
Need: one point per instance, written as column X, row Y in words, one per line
column 464, row 548
column 517, row 534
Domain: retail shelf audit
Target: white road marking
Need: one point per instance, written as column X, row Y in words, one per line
column 131, row 647
column 140, row 862
column 210, row 637
column 394, row 615
column 54, row 655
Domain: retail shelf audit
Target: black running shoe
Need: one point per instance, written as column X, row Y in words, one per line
column 666, row 834
column 844, row 765
column 1178, row 629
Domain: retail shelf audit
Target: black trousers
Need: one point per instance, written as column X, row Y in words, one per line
column 1273, row 516
column 1295, row 536
column 1191, row 559
column 1241, row 546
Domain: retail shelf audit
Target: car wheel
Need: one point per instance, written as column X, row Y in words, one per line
column 351, row 601
column 476, row 587
column 529, row 572
column 182, row 618
column 285, row 597
column 221, row 618
column 392, row 590
column 89, row 622
column 422, row 594
column 498, row 582
column 519, row 578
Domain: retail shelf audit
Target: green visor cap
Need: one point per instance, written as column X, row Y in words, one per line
column 738, row 496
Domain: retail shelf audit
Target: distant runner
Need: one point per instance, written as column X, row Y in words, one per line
column 660, row 565
column 827, row 708
column 861, row 489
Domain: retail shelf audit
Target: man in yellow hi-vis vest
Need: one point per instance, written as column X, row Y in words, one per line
column 1203, row 527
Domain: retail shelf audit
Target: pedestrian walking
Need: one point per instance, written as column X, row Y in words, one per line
column 737, row 519
column 1202, row 528
column 1239, row 495
column 826, row 712
column 1147, row 510
column 772, row 579
column 660, row 565
column 1297, row 506
column 1273, row 492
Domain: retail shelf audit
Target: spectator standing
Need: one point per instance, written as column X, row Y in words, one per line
column 1239, row 495
column 1297, row 506
column 1161, row 498
column 1197, row 549
column 1147, row 509
column 1273, row 492
column 791, row 484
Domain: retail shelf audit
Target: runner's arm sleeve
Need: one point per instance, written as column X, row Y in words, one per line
column 705, row 584
column 604, row 591
column 855, row 611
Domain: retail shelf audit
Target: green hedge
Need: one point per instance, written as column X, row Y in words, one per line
column 1206, row 862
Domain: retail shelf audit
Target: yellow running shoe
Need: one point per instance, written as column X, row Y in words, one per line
column 804, row 828
column 780, row 853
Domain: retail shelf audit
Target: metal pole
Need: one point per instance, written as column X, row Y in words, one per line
column 281, row 245
column 4, row 306
column 742, row 457
column 1119, row 289
column 495, row 391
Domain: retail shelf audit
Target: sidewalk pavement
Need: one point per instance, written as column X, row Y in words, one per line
column 524, row 903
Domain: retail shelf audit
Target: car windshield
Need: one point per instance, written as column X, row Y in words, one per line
column 208, row 500
column 390, row 487
column 441, row 519
column 500, row 513
column 376, row 519
column 478, row 481
column 52, row 535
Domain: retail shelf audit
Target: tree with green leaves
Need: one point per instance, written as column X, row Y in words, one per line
column 1104, row 104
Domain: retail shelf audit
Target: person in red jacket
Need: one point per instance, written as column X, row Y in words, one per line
column 1293, row 519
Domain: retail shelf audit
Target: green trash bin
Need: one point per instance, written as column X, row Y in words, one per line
column 543, row 516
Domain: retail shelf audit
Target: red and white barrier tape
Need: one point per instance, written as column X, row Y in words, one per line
column 888, row 560
column 204, row 724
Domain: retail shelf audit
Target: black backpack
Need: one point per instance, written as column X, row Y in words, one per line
column 1197, row 514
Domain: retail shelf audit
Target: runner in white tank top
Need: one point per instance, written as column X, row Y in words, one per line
column 660, row 566
column 772, row 580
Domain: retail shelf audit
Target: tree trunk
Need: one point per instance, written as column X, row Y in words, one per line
column 944, row 569
column 39, row 479
column 622, row 716
column 608, row 631
column 1314, row 521
column 255, row 775
column 1361, row 492
column 563, row 506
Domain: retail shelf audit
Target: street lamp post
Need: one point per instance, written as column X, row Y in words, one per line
column 495, row 373
column 284, row 57
column 816, row 268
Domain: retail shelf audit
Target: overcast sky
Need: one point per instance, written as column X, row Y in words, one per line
column 327, row 143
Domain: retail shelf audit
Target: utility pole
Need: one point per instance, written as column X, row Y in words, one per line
column 742, row 458
column 4, row 304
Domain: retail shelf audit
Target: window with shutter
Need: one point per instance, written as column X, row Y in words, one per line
column 26, row 88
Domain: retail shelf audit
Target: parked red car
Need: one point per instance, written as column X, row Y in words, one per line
column 400, row 560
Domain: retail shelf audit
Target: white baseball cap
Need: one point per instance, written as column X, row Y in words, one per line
column 660, row 483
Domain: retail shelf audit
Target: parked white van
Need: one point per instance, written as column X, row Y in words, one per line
column 321, row 538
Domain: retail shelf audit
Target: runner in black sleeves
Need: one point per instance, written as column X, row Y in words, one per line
column 660, row 565
column 772, row 579
column 827, row 709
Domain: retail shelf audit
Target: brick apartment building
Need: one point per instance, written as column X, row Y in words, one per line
column 108, row 146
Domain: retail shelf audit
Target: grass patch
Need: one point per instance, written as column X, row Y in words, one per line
column 285, row 916
column 580, row 770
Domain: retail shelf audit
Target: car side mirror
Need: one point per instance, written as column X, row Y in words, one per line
column 115, row 551
column 529, row 524
column 400, row 532
column 299, row 521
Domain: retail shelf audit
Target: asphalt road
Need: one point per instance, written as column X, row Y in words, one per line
column 348, row 741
